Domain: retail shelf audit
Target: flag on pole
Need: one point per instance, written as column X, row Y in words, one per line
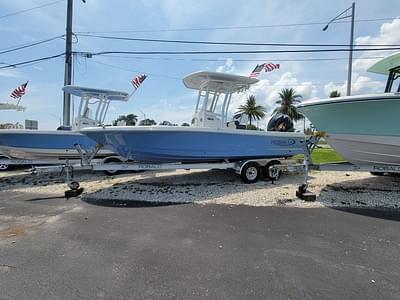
column 267, row 67
column 137, row 81
column 19, row 91
column 256, row 71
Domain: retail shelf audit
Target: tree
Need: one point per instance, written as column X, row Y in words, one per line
column 251, row 109
column 334, row 94
column 185, row 124
column 167, row 123
column 252, row 127
column 288, row 98
column 147, row 122
column 130, row 120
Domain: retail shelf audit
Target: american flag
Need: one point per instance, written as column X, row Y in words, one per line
column 137, row 81
column 267, row 67
column 19, row 91
column 256, row 71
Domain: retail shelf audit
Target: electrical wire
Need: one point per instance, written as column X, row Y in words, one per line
column 235, row 27
column 177, row 78
column 28, row 45
column 33, row 61
column 232, row 52
column 238, row 59
column 229, row 43
column 133, row 71
column 29, row 9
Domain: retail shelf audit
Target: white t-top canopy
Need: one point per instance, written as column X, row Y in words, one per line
column 385, row 65
column 218, row 82
column 96, row 93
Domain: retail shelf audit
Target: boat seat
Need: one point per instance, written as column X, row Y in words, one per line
column 63, row 127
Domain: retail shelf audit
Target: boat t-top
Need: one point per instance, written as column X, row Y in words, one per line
column 60, row 144
column 211, row 136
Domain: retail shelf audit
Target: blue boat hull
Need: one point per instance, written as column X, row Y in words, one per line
column 36, row 144
column 183, row 144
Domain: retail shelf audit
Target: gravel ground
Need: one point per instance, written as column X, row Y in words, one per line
column 333, row 189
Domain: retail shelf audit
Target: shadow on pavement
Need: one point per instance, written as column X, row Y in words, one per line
column 129, row 203
column 386, row 214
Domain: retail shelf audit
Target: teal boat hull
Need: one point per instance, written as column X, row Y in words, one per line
column 365, row 129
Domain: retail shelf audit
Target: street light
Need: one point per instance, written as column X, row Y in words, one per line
column 343, row 15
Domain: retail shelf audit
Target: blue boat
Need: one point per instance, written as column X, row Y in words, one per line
column 211, row 137
column 60, row 144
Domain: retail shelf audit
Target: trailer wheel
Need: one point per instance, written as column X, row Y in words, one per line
column 108, row 160
column 276, row 174
column 4, row 167
column 250, row 172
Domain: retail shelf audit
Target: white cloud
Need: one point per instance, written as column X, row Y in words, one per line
column 228, row 67
column 11, row 73
column 360, row 85
column 388, row 35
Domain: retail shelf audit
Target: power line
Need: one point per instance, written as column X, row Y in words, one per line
column 177, row 78
column 235, row 27
column 232, row 52
column 32, row 61
column 29, row 9
column 134, row 71
column 238, row 59
column 27, row 45
column 227, row 43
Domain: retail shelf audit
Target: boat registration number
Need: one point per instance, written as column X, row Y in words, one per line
column 150, row 166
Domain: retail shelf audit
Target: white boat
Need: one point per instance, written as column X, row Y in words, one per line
column 60, row 144
column 363, row 129
column 211, row 137
column 10, row 106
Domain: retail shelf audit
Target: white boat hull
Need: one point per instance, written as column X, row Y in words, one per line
column 367, row 149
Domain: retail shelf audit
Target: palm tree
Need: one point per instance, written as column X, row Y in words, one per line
column 288, row 98
column 130, row 119
column 334, row 94
column 251, row 109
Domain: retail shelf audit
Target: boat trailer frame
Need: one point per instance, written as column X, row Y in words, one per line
column 249, row 169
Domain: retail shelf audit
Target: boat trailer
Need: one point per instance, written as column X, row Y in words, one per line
column 250, row 170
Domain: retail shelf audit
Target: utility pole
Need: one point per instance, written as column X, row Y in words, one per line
column 68, row 66
column 350, row 67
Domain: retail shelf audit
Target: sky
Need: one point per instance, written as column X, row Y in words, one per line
column 162, row 95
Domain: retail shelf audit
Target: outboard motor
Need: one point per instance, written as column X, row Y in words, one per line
column 280, row 122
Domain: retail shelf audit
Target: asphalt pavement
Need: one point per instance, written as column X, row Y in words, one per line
column 70, row 249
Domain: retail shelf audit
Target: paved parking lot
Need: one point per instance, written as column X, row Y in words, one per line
column 58, row 249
